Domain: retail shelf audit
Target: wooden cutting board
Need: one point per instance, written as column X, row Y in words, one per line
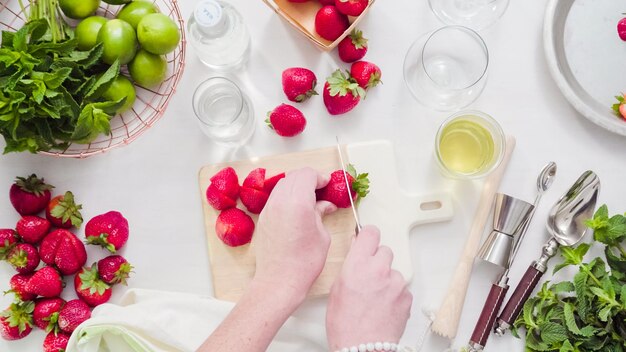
column 387, row 206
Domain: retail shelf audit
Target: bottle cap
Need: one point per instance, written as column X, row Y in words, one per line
column 208, row 13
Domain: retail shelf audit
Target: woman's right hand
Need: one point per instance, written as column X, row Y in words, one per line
column 369, row 301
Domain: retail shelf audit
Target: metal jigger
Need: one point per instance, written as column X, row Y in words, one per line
column 509, row 217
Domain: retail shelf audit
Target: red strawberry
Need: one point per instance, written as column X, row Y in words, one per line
column 46, row 313
column 336, row 191
column 366, row 74
column 62, row 249
column 271, row 182
column 234, row 227
column 341, row 94
column 30, row 195
column 252, row 194
column 8, row 239
column 255, row 179
column 45, row 282
column 298, row 0
column 327, row 2
column 32, row 228
column 24, row 258
column 109, row 230
column 63, row 212
column 73, row 313
column 353, row 47
column 286, row 120
column 351, row 7
column 56, row 342
column 114, row 269
column 621, row 29
column 18, row 287
column 16, row 322
column 299, row 84
column 90, row 288
column 330, row 23
column 223, row 191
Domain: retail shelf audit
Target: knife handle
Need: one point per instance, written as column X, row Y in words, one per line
column 487, row 318
column 515, row 304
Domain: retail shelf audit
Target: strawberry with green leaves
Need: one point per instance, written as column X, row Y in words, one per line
column 337, row 192
column 45, row 282
column 18, row 287
column 24, row 258
column 30, row 195
column 16, row 322
column 108, row 230
column 114, row 269
column 351, row 7
column 63, row 250
column 353, row 47
column 341, row 93
column 620, row 107
column 63, row 212
column 32, row 229
column 90, row 288
column 366, row 74
column 299, row 84
column 56, row 342
column 8, row 240
column 73, row 313
column 46, row 313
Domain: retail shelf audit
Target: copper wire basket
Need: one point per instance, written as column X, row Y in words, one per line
column 150, row 104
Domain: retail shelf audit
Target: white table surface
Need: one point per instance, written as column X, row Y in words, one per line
column 153, row 181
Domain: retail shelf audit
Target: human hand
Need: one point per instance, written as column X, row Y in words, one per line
column 291, row 242
column 369, row 301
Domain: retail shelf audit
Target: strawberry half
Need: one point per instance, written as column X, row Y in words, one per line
column 223, row 191
column 63, row 212
column 271, row 182
column 90, row 288
column 341, row 94
column 45, row 282
column 108, row 230
column 30, row 195
column 16, row 322
column 353, row 47
column 330, row 23
column 114, row 269
column 299, row 84
column 24, row 258
column 56, row 342
column 63, row 250
column 252, row 194
column 234, row 227
column 336, row 191
column 46, row 313
column 8, row 239
column 351, row 7
column 286, row 120
column 18, row 287
column 366, row 74
column 73, row 313
column 32, row 228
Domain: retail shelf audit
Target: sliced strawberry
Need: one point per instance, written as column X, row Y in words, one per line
column 219, row 200
column 253, row 199
column 255, row 179
column 234, row 227
column 227, row 182
column 271, row 182
column 337, row 192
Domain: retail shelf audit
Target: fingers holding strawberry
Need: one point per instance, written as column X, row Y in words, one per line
column 337, row 192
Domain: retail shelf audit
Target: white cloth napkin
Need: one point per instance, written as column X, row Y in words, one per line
column 156, row 321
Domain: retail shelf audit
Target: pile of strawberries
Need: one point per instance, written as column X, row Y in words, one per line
column 332, row 20
column 36, row 239
column 235, row 227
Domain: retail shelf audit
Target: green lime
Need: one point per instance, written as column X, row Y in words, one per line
column 147, row 69
column 119, row 41
column 87, row 31
column 158, row 34
column 79, row 8
column 135, row 11
column 120, row 88
column 117, row 2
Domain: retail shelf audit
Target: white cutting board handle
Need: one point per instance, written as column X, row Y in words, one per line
column 391, row 208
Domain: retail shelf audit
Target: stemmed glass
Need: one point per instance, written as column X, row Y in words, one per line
column 475, row 14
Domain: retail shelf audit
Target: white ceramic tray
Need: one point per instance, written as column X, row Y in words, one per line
column 586, row 57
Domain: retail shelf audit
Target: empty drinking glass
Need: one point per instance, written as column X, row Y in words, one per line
column 224, row 112
column 446, row 69
column 475, row 14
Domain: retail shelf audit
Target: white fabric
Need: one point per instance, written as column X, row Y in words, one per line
column 159, row 321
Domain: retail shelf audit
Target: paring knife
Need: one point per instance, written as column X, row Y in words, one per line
column 349, row 188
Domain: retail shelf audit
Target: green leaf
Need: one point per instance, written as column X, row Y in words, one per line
column 561, row 287
column 552, row 333
column 567, row 347
column 528, row 309
column 604, row 313
column 603, row 296
column 104, row 81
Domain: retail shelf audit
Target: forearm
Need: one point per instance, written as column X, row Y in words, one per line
column 254, row 321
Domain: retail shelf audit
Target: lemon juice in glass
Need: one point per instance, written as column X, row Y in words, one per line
column 469, row 144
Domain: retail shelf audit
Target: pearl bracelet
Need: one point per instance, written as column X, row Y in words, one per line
column 370, row 347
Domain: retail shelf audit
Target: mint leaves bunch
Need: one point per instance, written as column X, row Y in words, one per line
column 587, row 313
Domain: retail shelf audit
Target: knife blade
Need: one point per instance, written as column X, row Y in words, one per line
column 349, row 188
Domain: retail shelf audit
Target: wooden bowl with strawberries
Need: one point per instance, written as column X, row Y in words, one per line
column 323, row 22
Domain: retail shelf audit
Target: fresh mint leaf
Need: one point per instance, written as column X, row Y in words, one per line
column 104, row 81
column 552, row 333
column 563, row 286
column 572, row 256
column 567, row 347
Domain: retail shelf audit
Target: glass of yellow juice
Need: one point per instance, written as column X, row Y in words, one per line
column 469, row 145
